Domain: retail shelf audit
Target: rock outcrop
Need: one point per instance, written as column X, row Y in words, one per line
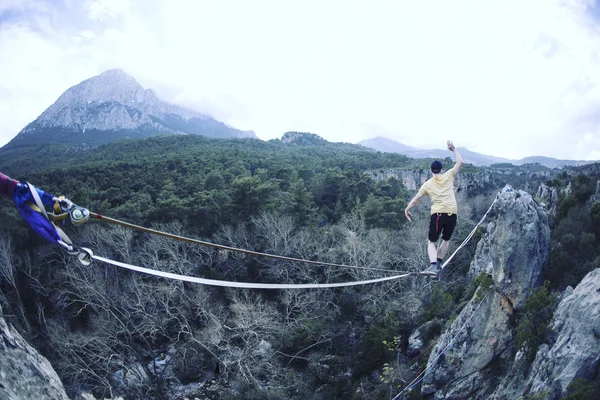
column 413, row 179
column 575, row 352
column 477, row 358
column 479, row 344
column 547, row 197
column 596, row 196
column 24, row 373
column 515, row 247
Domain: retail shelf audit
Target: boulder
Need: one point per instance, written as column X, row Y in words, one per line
column 24, row 373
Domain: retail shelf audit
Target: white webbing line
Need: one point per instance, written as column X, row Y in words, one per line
column 245, row 285
column 253, row 285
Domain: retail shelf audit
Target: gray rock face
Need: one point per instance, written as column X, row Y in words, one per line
column 302, row 138
column 596, row 196
column 547, row 197
column 515, row 247
column 576, row 351
column 113, row 105
column 24, row 373
column 478, row 347
column 478, row 338
column 413, row 179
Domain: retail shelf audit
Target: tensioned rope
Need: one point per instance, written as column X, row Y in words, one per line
column 424, row 373
column 470, row 235
column 223, row 247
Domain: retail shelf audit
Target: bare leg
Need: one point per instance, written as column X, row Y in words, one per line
column 442, row 250
column 432, row 252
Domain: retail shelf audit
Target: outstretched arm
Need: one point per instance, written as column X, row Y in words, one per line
column 415, row 200
column 459, row 160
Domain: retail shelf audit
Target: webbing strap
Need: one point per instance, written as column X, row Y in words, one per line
column 66, row 241
column 245, row 285
column 38, row 200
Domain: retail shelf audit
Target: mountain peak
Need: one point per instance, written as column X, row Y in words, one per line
column 384, row 144
column 111, row 85
column 114, row 72
column 112, row 105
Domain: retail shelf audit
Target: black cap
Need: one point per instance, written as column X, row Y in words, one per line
column 436, row 167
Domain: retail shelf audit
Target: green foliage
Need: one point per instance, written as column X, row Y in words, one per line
column 581, row 389
column 542, row 395
column 595, row 217
column 302, row 207
column 303, row 334
column 375, row 349
column 534, row 319
column 484, row 282
column 576, row 234
column 582, row 187
column 251, row 196
column 208, row 183
column 439, row 304
column 503, row 165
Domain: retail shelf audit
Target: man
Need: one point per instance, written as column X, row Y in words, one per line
column 440, row 188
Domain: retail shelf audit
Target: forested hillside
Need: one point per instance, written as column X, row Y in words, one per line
column 116, row 332
column 206, row 183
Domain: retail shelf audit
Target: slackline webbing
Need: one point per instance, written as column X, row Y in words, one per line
column 245, row 285
column 86, row 255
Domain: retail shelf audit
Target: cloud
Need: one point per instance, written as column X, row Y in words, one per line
column 507, row 78
column 105, row 9
column 88, row 34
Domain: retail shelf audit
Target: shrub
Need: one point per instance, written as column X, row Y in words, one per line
column 439, row 304
column 533, row 321
column 580, row 389
column 484, row 281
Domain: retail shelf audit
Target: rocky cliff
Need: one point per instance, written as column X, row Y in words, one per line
column 575, row 349
column 547, row 197
column 477, row 356
column 114, row 105
column 413, row 179
column 24, row 373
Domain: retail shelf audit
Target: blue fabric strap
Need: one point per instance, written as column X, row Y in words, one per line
column 26, row 204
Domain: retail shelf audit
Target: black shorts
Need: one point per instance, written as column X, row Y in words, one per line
column 441, row 223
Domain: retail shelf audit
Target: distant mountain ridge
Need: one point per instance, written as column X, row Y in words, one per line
column 114, row 105
column 390, row 146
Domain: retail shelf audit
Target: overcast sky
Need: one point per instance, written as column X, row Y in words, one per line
column 510, row 78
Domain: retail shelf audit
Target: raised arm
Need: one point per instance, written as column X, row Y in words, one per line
column 459, row 160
